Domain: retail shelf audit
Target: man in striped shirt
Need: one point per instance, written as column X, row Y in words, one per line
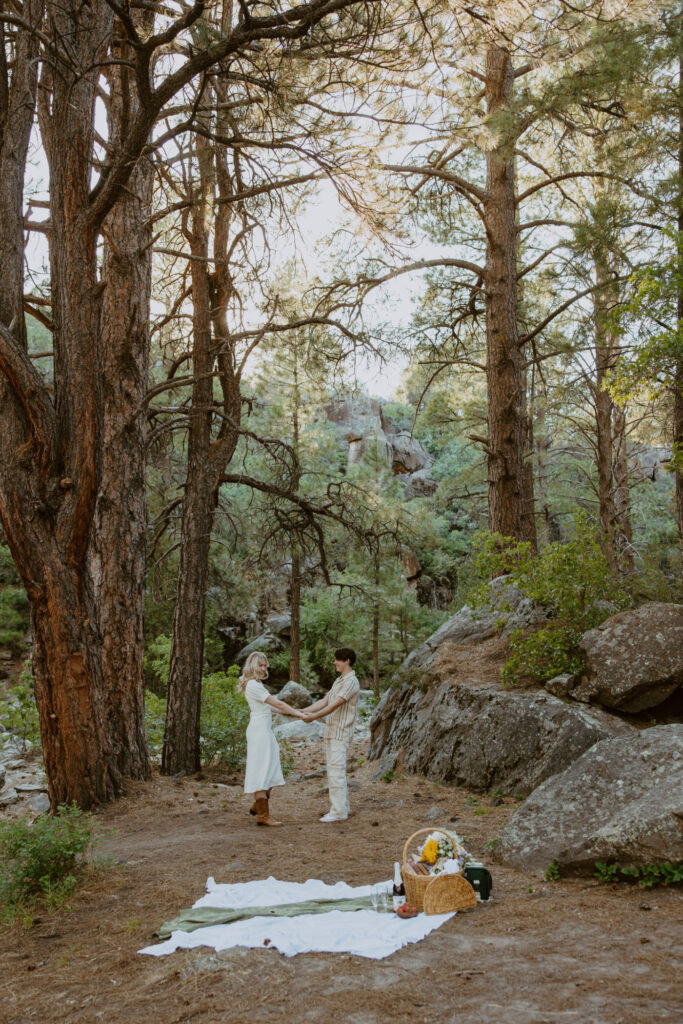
column 339, row 706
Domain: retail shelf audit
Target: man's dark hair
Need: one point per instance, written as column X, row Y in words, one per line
column 346, row 654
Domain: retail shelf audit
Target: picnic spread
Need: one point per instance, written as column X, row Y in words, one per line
column 373, row 921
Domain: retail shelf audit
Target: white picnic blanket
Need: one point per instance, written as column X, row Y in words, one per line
column 363, row 932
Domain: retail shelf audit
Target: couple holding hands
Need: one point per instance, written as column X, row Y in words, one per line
column 338, row 707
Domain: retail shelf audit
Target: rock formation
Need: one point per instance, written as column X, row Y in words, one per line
column 622, row 800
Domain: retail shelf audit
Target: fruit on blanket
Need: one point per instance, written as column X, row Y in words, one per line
column 406, row 910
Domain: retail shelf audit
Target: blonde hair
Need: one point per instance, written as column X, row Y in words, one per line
column 254, row 659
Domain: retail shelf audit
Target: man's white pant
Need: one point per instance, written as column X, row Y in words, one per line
column 335, row 756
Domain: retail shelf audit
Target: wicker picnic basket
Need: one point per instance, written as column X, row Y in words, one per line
column 436, row 894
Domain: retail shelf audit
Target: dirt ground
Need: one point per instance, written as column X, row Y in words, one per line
column 568, row 952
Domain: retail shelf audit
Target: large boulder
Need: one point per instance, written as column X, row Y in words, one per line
column 358, row 423
column 634, row 660
column 622, row 800
column 507, row 609
column 408, row 455
column 483, row 737
column 296, row 695
column 267, row 642
column 280, row 624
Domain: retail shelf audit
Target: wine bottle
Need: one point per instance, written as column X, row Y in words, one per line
column 399, row 894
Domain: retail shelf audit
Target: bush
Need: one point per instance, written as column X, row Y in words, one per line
column 41, row 860
column 15, row 619
column 542, row 655
column 571, row 579
column 155, row 722
column 18, row 711
column 223, row 722
column 648, row 876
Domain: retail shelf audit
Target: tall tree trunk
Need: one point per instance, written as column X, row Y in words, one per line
column 506, row 379
column 375, row 629
column 542, row 441
column 678, row 369
column 295, row 611
column 622, row 492
column 207, row 455
column 118, row 548
column 50, row 463
column 295, row 576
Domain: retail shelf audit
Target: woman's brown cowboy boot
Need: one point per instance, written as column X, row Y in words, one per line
column 262, row 815
column 252, row 809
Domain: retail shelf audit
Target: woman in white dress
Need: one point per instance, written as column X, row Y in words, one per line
column 263, row 754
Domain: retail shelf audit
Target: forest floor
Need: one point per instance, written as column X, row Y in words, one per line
column 573, row 951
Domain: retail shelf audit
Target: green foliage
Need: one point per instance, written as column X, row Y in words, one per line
column 18, row 711
column 224, row 719
column 8, row 571
column 571, row 579
column 552, row 872
column 156, row 664
column 223, row 722
column 648, row 875
column 543, row 654
column 41, row 860
column 155, row 722
column 15, row 619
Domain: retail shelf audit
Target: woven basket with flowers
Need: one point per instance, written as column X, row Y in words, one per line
column 432, row 872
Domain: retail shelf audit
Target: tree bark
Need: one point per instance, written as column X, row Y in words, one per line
column 678, row 365
column 118, row 547
column 508, row 490
column 208, row 456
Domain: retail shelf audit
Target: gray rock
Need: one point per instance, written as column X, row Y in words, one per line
column 387, row 764
column 621, row 801
column 314, row 775
column 420, row 485
column 30, row 787
column 40, row 803
column 486, row 738
column 435, row 814
column 15, row 763
column 8, row 796
column 408, row 455
column 634, row 660
column 267, row 642
column 507, row 609
column 280, row 624
column 296, row 731
column 296, row 695
column 562, row 685
column 358, row 423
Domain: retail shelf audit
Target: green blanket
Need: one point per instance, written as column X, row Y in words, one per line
column 203, row 917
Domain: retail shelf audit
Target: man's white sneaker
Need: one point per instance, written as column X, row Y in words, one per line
column 331, row 817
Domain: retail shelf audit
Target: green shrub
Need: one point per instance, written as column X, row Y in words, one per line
column 156, row 664
column 571, row 579
column 542, row 655
column 41, row 860
column 18, row 711
column 552, row 872
column 224, row 719
column 223, row 722
column 8, row 570
column 648, row 875
column 15, row 619
column 155, row 722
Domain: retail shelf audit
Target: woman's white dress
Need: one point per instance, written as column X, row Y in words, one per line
column 263, row 753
